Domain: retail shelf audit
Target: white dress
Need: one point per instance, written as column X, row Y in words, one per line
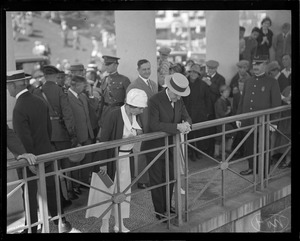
column 125, row 177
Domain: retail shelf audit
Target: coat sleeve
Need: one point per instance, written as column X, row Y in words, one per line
column 22, row 128
column 155, row 122
column 14, row 144
column 184, row 113
column 67, row 113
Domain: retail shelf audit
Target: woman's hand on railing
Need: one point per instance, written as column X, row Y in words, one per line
column 238, row 124
column 272, row 127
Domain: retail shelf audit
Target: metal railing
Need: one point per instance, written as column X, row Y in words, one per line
column 180, row 150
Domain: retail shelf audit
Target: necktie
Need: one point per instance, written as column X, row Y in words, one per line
column 148, row 82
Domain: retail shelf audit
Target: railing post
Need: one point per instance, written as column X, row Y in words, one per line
column 167, row 173
column 177, row 176
column 57, row 188
column 223, row 144
column 256, row 124
column 186, row 168
column 261, row 147
column 267, row 146
column 42, row 198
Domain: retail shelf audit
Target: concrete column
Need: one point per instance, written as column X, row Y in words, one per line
column 136, row 39
column 222, row 37
column 10, row 65
column 14, row 203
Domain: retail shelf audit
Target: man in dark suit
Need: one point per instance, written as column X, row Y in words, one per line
column 18, row 150
column 32, row 124
column 214, row 80
column 84, row 130
column 282, row 43
column 166, row 113
column 63, row 128
column 144, row 83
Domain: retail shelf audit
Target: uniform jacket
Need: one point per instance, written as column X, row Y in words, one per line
column 280, row 47
column 60, row 104
column 162, row 117
column 82, row 121
column 140, row 84
column 259, row 93
column 31, row 122
column 114, row 88
column 198, row 103
column 13, row 143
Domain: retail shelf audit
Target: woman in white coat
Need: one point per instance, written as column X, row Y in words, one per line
column 119, row 123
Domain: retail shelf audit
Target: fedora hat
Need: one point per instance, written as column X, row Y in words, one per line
column 178, row 84
column 77, row 157
column 16, row 75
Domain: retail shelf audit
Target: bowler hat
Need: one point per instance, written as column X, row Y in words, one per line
column 110, row 59
column 16, row 75
column 50, row 69
column 259, row 59
column 212, row 64
column 77, row 67
column 178, row 84
column 164, row 50
column 243, row 63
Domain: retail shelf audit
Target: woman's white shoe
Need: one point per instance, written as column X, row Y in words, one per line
column 124, row 230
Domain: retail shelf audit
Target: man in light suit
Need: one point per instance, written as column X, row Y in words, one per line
column 31, row 122
column 83, row 127
column 150, row 87
column 166, row 113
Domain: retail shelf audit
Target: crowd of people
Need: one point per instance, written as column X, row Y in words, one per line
column 69, row 105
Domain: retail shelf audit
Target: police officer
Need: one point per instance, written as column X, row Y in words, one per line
column 113, row 87
column 63, row 128
column 260, row 92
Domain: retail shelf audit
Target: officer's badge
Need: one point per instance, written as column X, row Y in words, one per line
column 263, row 89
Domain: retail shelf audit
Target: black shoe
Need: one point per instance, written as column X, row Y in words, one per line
column 246, row 172
column 72, row 195
column 142, row 185
column 160, row 218
column 77, row 190
column 66, row 203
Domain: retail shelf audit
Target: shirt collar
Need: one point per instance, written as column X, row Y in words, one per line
column 21, row 92
column 168, row 95
column 260, row 75
column 113, row 73
column 145, row 80
column 74, row 93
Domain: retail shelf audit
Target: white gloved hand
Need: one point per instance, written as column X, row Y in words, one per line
column 272, row 127
column 238, row 124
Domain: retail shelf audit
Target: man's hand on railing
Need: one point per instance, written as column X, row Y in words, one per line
column 272, row 127
column 238, row 124
column 184, row 127
column 29, row 157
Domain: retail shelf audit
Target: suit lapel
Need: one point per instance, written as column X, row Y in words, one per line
column 74, row 99
column 167, row 105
